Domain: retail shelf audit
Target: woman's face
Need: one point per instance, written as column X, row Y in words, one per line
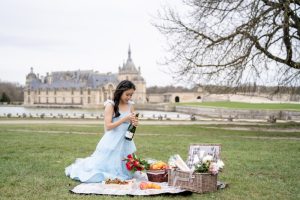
column 126, row 96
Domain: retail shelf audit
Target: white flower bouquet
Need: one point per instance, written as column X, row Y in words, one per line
column 208, row 165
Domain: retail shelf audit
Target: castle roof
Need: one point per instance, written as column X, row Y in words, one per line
column 81, row 79
column 74, row 79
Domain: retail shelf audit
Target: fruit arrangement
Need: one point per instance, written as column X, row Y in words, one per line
column 149, row 185
column 158, row 165
column 157, row 172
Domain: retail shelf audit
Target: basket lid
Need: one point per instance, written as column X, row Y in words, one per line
column 199, row 150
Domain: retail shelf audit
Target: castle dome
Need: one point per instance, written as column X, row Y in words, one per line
column 31, row 75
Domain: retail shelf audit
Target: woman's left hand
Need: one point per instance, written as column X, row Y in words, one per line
column 135, row 121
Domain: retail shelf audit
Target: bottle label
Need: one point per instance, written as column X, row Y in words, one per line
column 128, row 134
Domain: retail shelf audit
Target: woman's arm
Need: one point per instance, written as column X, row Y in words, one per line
column 108, row 115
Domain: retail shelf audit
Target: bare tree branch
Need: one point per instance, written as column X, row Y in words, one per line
column 234, row 38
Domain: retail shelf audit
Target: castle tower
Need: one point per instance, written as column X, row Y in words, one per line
column 31, row 77
column 31, row 80
column 129, row 72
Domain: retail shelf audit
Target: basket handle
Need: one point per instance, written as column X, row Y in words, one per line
column 166, row 173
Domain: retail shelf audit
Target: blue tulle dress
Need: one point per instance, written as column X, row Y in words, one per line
column 107, row 160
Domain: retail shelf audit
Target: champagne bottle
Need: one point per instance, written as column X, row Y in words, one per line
column 130, row 130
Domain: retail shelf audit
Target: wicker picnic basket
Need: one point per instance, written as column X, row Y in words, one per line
column 157, row 175
column 194, row 182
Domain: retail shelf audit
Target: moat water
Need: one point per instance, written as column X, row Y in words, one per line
column 20, row 111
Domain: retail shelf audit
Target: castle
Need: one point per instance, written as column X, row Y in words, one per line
column 86, row 89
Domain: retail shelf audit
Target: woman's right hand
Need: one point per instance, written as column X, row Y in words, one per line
column 129, row 118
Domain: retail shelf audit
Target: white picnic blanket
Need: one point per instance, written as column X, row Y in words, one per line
column 100, row 188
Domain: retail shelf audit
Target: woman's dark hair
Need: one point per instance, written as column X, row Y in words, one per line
column 122, row 87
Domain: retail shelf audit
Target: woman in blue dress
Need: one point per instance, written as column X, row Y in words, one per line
column 107, row 160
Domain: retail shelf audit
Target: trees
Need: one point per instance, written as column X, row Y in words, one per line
column 234, row 41
column 13, row 90
column 4, row 98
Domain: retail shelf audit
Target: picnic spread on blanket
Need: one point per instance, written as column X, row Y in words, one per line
column 152, row 177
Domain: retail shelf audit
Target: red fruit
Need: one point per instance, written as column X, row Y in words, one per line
column 136, row 163
column 129, row 166
column 143, row 186
column 129, row 156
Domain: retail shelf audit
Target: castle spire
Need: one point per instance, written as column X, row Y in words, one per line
column 129, row 53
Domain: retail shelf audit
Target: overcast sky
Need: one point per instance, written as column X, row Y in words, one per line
column 61, row 35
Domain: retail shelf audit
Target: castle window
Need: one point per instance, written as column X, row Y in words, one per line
column 72, row 92
column 39, row 99
column 81, row 100
column 72, row 100
column 81, row 91
column 28, row 92
column 89, row 91
column 47, row 100
column 54, row 99
column 89, row 99
column 28, row 99
column 55, row 91
column 39, row 91
column 47, row 92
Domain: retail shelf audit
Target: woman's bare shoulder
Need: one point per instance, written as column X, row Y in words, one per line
column 109, row 102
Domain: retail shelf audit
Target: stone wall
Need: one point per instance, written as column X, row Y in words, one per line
column 174, row 97
column 239, row 114
column 254, row 98
column 223, row 113
column 155, row 107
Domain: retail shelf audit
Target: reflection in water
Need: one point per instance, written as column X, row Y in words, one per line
column 16, row 111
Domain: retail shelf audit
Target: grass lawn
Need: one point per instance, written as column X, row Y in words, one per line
column 33, row 158
column 241, row 105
